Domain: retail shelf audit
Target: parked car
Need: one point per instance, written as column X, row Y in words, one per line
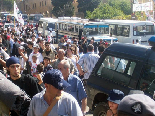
column 122, row 66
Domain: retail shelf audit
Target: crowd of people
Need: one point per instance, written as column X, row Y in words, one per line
column 54, row 78
column 27, row 55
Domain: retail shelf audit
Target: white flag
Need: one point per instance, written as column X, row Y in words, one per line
column 17, row 14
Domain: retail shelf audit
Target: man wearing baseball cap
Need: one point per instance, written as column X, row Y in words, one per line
column 53, row 101
column 25, row 82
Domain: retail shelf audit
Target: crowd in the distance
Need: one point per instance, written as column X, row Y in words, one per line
column 55, row 76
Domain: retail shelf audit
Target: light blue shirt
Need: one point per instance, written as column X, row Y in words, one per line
column 88, row 61
column 76, row 89
column 66, row 106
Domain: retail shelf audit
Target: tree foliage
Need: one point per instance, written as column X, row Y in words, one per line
column 112, row 9
column 104, row 11
column 63, row 8
column 140, row 15
column 87, row 5
column 6, row 4
column 123, row 5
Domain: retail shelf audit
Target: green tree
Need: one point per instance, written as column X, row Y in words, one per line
column 63, row 8
column 123, row 5
column 140, row 15
column 87, row 5
column 6, row 4
column 104, row 11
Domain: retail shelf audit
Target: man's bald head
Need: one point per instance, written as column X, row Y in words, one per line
column 61, row 54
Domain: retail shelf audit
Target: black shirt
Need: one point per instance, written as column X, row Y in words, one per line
column 48, row 67
column 47, row 52
column 28, row 84
column 29, row 51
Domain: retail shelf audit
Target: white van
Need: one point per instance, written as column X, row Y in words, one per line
column 46, row 25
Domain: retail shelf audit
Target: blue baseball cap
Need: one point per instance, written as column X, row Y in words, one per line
column 55, row 78
column 115, row 96
column 12, row 60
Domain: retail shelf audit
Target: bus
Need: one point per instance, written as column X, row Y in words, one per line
column 129, row 31
column 46, row 25
column 25, row 17
column 2, row 14
column 77, row 27
column 34, row 18
column 68, row 26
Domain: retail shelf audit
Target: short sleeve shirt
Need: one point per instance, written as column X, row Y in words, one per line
column 66, row 106
column 76, row 89
column 88, row 61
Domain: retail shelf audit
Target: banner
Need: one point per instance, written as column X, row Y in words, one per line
column 17, row 14
column 143, row 7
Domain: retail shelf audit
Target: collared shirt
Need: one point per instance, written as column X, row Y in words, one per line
column 66, row 106
column 57, row 61
column 88, row 60
column 76, row 89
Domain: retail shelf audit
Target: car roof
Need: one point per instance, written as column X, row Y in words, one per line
column 8, row 24
column 132, row 51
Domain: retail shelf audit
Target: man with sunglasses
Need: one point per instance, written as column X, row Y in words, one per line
column 48, row 52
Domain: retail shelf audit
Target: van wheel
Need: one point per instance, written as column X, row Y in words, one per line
column 101, row 109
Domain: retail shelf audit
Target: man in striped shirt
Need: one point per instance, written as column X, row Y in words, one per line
column 88, row 60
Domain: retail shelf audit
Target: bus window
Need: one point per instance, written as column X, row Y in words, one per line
column 112, row 29
column 143, row 30
column 119, row 30
column 40, row 24
column 126, row 31
column 51, row 26
column 76, row 28
column 31, row 18
column 103, row 30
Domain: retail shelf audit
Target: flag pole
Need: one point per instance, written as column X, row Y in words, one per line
column 14, row 14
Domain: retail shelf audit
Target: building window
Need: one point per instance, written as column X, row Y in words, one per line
column 45, row 3
column 35, row 5
column 42, row 3
column 26, row 7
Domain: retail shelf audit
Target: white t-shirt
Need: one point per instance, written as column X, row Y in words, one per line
column 39, row 57
column 34, row 68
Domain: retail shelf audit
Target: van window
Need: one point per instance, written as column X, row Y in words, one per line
column 143, row 30
column 116, row 69
column 147, row 82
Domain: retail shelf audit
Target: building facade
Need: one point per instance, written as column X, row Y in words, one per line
column 40, row 7
column 36, row 7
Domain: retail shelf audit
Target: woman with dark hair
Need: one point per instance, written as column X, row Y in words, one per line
column 73, row 58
